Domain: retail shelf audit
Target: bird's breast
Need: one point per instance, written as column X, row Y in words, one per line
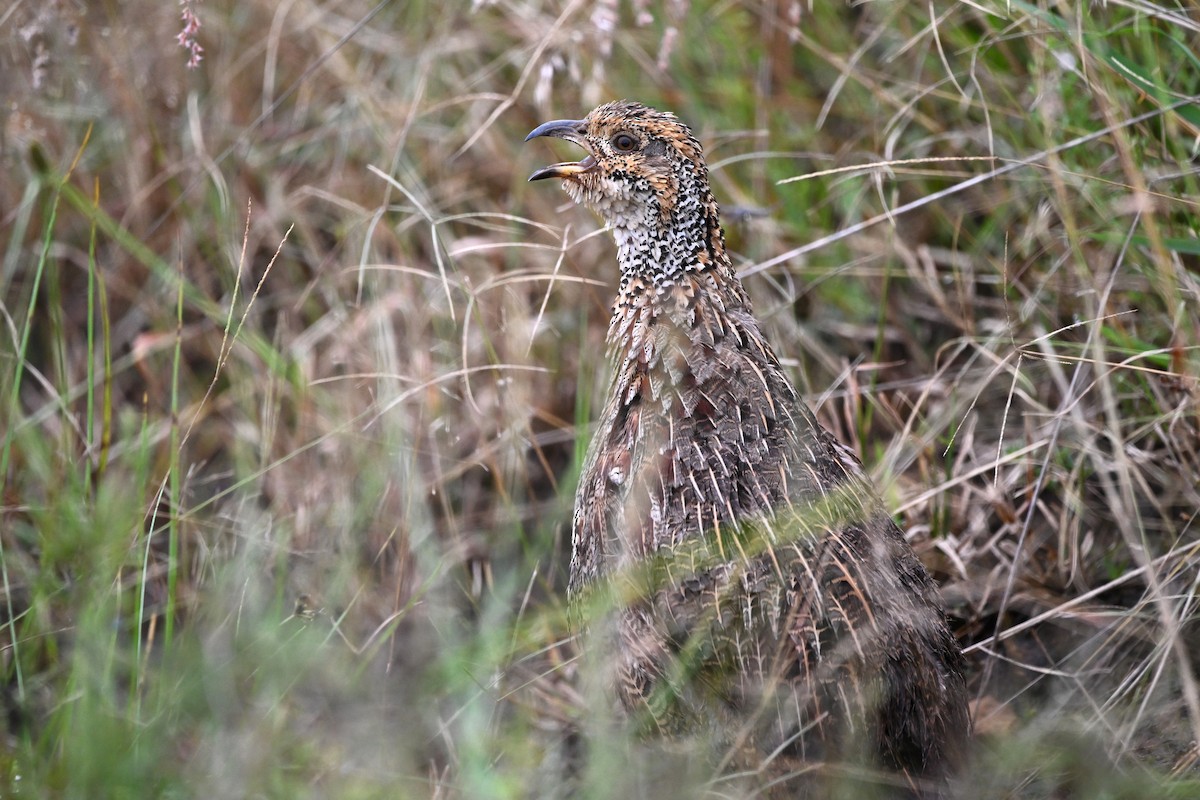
column 695, row 431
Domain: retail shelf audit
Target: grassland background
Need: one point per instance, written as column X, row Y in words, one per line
column 296, row 369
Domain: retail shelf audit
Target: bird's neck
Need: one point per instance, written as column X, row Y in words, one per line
column 676, row 278
column 666, row 245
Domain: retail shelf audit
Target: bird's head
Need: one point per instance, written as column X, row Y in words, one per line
column 644, row 171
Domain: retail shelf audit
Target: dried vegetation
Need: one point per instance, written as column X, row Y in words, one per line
column 295, row 370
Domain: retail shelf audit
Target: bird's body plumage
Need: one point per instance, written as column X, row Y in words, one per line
column 766, row 591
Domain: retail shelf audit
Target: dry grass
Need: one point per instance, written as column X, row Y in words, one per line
column 289, row 333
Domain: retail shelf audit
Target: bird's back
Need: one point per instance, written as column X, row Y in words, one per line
column 769, row 589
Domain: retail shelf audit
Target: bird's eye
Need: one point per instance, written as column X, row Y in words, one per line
column 624, row 142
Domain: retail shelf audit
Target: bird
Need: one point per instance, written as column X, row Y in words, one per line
column 758, row 593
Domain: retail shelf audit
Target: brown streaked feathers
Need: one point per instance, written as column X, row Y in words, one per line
column 771, row 601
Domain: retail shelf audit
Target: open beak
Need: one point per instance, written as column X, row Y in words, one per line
column 571, row 130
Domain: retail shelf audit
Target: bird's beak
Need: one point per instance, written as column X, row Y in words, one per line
column 573, row 131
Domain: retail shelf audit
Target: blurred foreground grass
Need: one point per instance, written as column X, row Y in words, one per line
column 295, row 371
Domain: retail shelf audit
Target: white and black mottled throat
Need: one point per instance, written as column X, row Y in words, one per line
column 675, row 235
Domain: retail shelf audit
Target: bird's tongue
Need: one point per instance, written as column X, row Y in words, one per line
column 567, row 169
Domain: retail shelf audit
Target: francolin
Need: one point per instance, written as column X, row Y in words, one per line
column 765, row 599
